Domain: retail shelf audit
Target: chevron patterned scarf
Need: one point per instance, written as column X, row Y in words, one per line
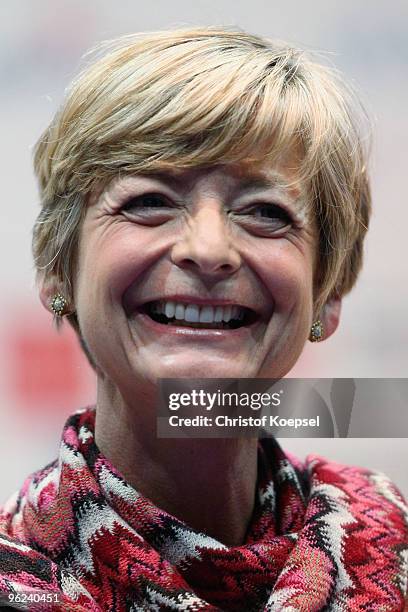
column 322, row 536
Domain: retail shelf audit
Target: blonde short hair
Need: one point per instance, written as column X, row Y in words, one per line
column 186, row 98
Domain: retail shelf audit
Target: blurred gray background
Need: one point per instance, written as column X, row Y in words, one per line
column 43, row 376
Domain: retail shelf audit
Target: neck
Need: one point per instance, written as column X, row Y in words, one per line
column 207, row 483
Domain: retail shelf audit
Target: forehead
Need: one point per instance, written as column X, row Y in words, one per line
column 240, row 176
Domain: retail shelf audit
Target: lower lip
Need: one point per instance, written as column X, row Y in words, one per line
column 191, row 332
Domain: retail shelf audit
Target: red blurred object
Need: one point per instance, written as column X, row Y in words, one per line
column 47, row 369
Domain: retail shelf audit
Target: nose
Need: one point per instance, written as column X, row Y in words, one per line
column 206, row 244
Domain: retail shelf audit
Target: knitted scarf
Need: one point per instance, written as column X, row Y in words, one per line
column 322, row 537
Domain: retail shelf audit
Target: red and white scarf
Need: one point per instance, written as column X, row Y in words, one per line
column 322, row 536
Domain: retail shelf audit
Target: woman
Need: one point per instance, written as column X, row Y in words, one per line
column 204, row 204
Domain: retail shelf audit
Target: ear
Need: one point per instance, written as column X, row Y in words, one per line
column 48, row 289
column 330, row 316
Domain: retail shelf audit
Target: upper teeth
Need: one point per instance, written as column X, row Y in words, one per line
column 194, row 313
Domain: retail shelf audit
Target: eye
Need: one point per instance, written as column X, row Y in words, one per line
column 145, row 202
column 266, row 218
column 149, row 209
column 271, row 212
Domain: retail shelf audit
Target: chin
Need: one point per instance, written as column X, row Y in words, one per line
column 199, row 368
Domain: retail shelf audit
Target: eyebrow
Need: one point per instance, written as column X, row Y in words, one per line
column 260, row 182
column 171, row 178
column 252, row 183
column 249, row 183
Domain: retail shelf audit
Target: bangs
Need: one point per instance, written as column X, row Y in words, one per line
column 191, row 103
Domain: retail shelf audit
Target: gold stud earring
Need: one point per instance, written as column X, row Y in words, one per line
column 316, row 331
column 59, row 305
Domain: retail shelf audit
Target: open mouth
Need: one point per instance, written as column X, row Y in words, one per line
column 199, row 316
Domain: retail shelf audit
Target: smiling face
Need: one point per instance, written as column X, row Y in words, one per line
column 197, row 273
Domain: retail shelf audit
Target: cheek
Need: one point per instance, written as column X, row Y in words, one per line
column 288, row 274
column 113, row 260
